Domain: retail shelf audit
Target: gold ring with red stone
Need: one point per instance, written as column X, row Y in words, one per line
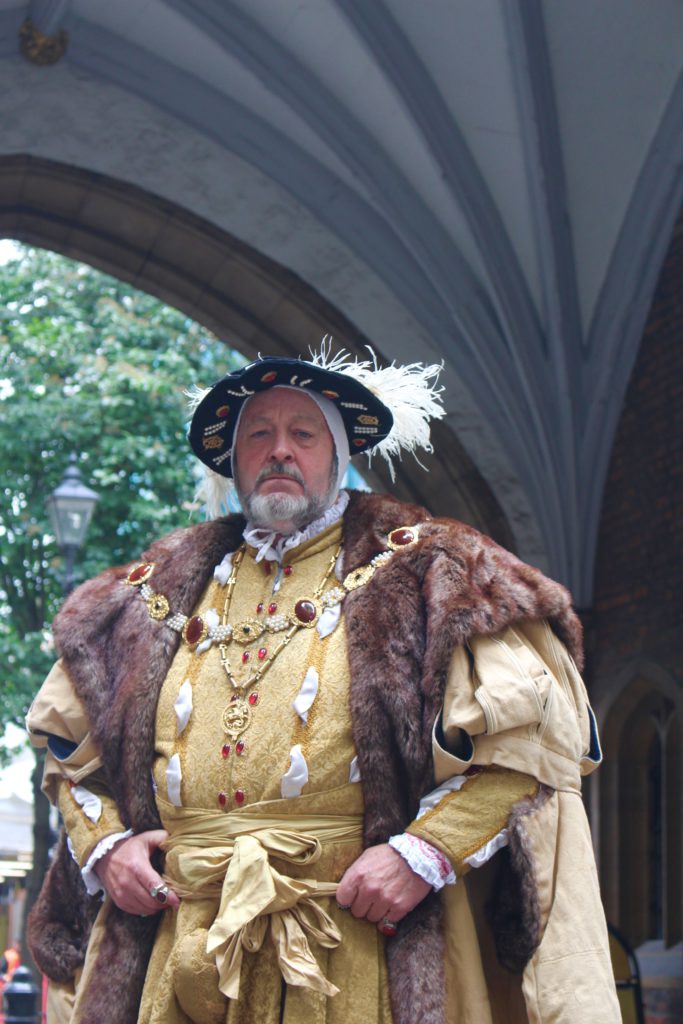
column 306, row 612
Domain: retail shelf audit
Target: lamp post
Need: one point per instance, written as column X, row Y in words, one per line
column 71, row 506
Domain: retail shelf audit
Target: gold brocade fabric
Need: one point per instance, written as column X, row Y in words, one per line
column 228, row 857
column 183, row 979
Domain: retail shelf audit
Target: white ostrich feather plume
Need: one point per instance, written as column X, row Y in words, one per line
column 213, row 490
column 195, row 395
column 411, row 393
column 213, row 494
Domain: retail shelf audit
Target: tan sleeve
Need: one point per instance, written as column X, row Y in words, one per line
column 461, row 719
column 89, row 812
column 495, row 684
column 57, row 720
column 72, row 778
column 516, row 699
column 466, row 820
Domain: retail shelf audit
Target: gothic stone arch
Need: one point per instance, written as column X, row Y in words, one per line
column 224, row 284
column 640, row 806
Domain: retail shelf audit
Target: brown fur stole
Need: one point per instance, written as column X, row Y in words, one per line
column 118, row 662
column 401, row 631
column 402, row 628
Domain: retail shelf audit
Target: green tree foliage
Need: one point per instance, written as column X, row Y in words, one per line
column 87, row 365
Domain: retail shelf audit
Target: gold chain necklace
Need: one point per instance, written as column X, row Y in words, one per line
column 196, row 629
column 237, row 715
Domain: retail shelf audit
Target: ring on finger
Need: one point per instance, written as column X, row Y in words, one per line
column 388, row 928
column 159, row 893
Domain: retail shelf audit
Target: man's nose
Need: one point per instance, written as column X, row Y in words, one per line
column 282, row 449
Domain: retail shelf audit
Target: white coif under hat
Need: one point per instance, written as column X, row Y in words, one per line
column 385, row 411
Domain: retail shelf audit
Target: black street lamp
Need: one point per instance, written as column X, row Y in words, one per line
column 71, row 506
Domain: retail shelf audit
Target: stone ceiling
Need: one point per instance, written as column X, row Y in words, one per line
column 490, row 183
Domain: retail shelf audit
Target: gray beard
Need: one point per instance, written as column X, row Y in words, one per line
column 268, row 510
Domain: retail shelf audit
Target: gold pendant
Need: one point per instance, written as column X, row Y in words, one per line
column 247, row 631
column 236, row 718
column 359, row 577
column 157, row 606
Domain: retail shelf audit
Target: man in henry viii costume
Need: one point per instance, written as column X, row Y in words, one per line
column 319, row 763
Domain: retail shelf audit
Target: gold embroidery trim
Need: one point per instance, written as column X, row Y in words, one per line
column 481, row 840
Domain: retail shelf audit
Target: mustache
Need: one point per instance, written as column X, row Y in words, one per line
column 279, row 469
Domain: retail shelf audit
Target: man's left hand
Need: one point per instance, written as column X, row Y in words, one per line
column 380, row 885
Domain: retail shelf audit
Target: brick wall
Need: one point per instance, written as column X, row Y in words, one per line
column 639, row 583
column 639, row 567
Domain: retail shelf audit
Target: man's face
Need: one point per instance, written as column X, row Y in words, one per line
column 283, row 460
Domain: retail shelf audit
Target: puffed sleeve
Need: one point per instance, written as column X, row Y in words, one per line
column 516, row 700
column 57, row 720
column 72, row 778
column 515, row 716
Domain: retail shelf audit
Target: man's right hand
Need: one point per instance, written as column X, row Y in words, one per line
column 126, row 872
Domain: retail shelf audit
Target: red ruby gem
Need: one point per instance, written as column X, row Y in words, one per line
column 137, row 574
column 402, row 537
column 222, row 411
column 245, row 656
column 272, row 608
column 239, row 746
column 262, row 653
column 194, row 629
column 288, row 570
column 259, row 607
column 305, row 611
column 240, row 796
column 222, row 799
column 253, row 698
column 225, row 749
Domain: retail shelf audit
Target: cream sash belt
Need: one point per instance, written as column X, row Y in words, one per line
column 225, row 857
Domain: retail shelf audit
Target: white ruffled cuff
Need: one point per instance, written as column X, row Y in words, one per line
column 424, row 859
column 484, row 853
column 90, row 879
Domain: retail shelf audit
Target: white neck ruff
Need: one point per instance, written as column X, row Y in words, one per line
column 273, row 546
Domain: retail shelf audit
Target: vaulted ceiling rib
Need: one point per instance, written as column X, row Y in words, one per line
column 512, row 396
column 622, row 307
column 546, row 365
